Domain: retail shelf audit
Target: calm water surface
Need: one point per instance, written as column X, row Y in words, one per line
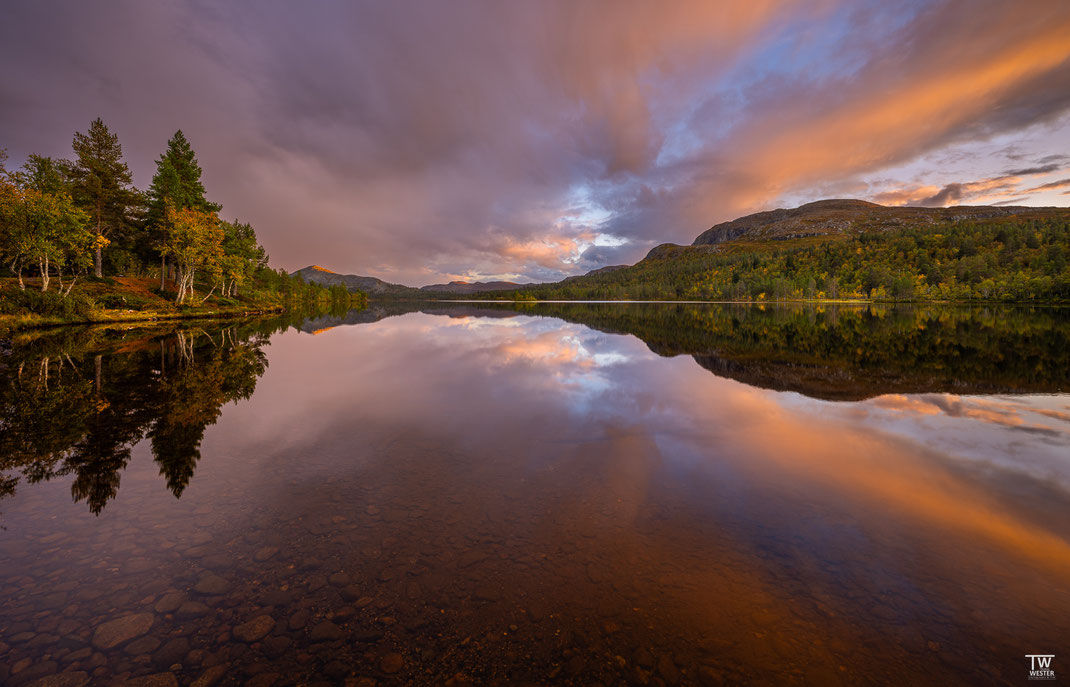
column 582, row 495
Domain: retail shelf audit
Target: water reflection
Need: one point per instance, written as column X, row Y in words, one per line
column 74, row 402
column 474, row 496
column 835, row 352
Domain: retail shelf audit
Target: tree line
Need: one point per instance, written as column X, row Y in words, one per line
column 62, row 219
column 1013, row 259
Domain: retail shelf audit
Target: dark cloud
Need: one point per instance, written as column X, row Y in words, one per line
column 601, row 256
column 946, row 196
column 1032, row 171
column 1061, row 183
column 424, row 140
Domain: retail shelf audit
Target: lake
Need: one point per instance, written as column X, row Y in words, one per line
column 539, row 494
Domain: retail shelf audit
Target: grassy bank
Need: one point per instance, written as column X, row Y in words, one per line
column 118, row 299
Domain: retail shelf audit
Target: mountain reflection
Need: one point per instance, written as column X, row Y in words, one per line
column 74, row 402
column 831, row 352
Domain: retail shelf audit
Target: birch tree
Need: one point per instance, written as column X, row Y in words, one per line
column 194, row 241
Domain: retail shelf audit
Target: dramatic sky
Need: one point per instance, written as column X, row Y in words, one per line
column 423, row 141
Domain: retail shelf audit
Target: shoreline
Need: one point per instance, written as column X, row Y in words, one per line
column 21, row 322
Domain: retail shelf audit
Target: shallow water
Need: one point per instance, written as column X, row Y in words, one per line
column 659, row 494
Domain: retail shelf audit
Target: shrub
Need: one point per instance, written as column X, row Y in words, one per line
column 48, row 304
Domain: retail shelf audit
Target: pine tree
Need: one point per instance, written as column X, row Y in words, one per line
column 102, row 185
column 177, row 183
column 44, row 174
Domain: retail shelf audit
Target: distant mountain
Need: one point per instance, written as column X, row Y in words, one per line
column 463, row 287
column 839, row 216
column 372, row 286
column 828, row 249
column 854, row 250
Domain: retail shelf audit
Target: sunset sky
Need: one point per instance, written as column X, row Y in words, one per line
column 421, row 142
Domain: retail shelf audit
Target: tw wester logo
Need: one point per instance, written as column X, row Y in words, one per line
column 1040, row 666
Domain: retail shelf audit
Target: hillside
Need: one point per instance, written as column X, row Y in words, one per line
column 851, row 249
column 464, row 287
column 838, row 216
column 372, row 286
column 826, row 250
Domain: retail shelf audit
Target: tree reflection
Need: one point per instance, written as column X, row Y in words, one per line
column 848, row 353
column 74, row 402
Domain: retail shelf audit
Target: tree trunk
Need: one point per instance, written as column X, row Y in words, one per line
column 163, row 272
column 96, row 372
column 180, row 286
column 44, row 274
column 98, row 261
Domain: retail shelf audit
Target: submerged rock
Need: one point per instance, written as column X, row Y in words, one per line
column 115, row 632
column 392, row 663
column 157, row 680
column 254, row 630
column 326, row 632
column 74, row 679
column 212, row 585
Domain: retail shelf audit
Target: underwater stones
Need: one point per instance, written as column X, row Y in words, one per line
column 391, row 663
column 265, row 554
column 157, row 680
column 277, row 597
column 470, row 558
column 174, row 651
column 192, row 609
column 345, row 613
column 367, row 636
column 326, row 632
column 211, row 584
column 710, row 677
column 115, row 632
column 142, row 645
column 335, row 669
column 254, row 630
column 351, row 593
column 339, row 579
column 77, row 678
column 667, row 670
column 169, row 602
column 277, row 645
column 299, row 619
column 263, row 680
column 211, row 676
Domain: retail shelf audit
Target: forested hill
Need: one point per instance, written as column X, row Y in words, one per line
column 314, row 274
column 851, row 249
column 844, row 215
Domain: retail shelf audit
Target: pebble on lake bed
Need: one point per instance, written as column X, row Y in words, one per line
column 254, row 630
column 115, row 632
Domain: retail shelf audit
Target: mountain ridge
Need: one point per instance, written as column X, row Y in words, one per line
column 353, row 282
column 472, row 287
column 837, row 215
column 801, row 228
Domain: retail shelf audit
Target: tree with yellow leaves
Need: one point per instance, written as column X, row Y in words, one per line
column 43, row 229
column 194, row 241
